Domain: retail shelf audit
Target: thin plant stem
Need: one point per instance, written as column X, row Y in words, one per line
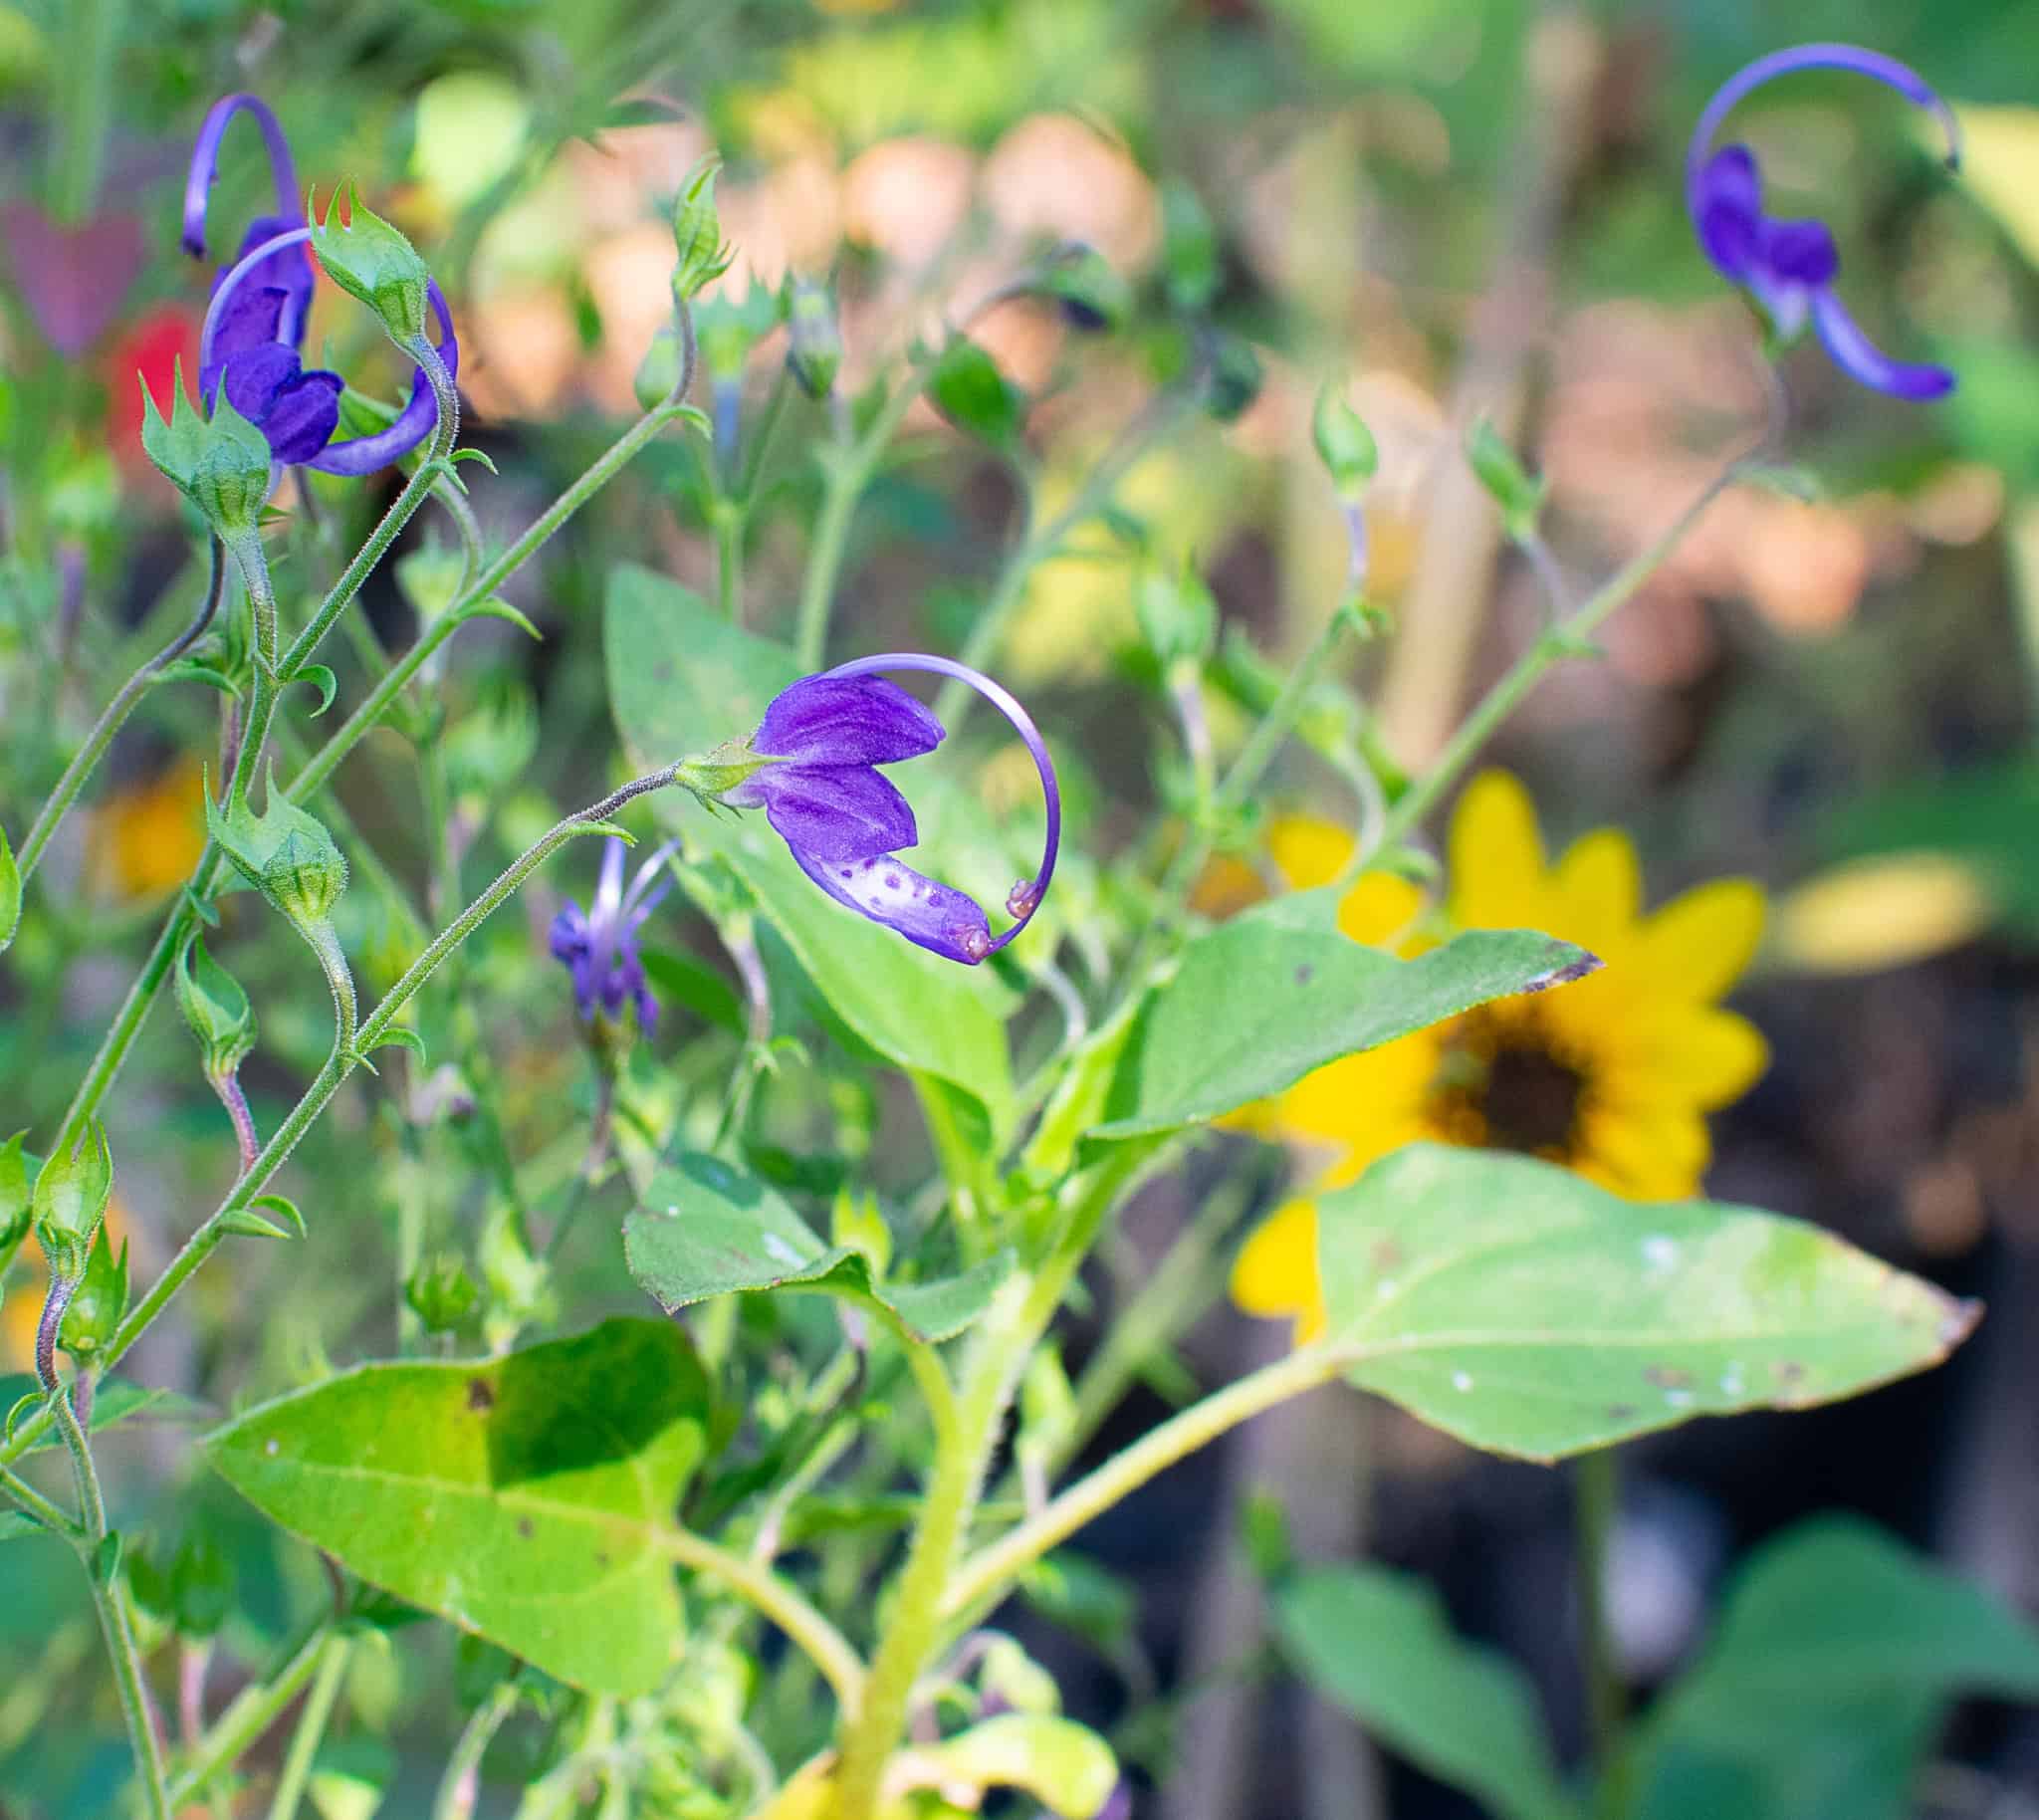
column 1596, row 1504
column 88, row 755
column 729, row 515
column 812, row 1633
column 988, row 1572
column 253, row 1711
column 43, row 1509
column 1556, row 643
column 460, row 1786
column 312, row 1723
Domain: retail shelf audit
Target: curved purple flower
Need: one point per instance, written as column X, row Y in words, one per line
column 1790, row 266
column 599, row 947
column 254, row 336
column 845, row 823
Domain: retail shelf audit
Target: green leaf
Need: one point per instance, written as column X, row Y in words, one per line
column 17, row 1524
column 1065, row 1766
column 10, row 893
column 1513, row 1304
column 707, row 1228
column 401, row 1037
column 117, row 1400
column 968, row 388
column 1263, row 999
column 1837, row 1656
column 253, row 1224
column 321, row 678
column 495, row 607
column 522, row 1497
column 1379, row 1644
column 684, row 978
column 683, row 679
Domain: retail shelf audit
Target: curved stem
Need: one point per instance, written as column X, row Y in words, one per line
column 461, row 1784
column 253, row 1709
column 110, row 721
column 297, row 1763
column 818, row 1640
column 990, row 1571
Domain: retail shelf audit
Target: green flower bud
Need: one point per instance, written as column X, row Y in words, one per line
column 713, row 775
column 659, row 371
column 1178, row 615
column 1345, row 445
column 728, row 327
column 373, row 263
column 697, row 232
column 221, row 463
column 813, row 349
column 70, row 1200
column 98, row 1303
column 441, row 1294
column 1189, row 248
column 283, row 853
column 10, row 893
column 215, row 1007
column 1507, row 481
column 16, row 1196
column 1091, row 294
column 1235, row 378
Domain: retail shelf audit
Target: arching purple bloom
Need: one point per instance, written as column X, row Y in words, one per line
column 845, row 822
column 1790, row 266
column 600, row 947
column 254, row 336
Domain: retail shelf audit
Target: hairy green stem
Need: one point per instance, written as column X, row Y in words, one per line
column 43, row 1509
column 88, row 755
column 816, row 1639
column 304, row 1741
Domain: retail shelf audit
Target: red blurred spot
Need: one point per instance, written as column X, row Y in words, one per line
column 148, row 352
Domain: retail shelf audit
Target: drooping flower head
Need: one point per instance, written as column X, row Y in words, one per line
column 600, row 947
column 254, row 336
column 845, row 822
column 1790, row 266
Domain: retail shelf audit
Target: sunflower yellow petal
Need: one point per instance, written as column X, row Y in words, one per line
column 1596, row 892
column 1646, row 1155
column 1497, row 856
column 1361, row 1102
column 1379, row 908
column 1697, row 944
column 1689, row 1054
column 1308, row 851
column 1275, row 1273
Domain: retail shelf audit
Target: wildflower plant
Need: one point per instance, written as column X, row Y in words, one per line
column 1498, row 1067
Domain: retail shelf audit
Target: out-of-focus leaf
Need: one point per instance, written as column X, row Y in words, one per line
column 115, row 1401
column 1835, row 1659
column 968, row 388
column 521, row 1498
column 1261, row 1001
column 1065, row 1766
column 1516, row 1305
column 706, row 1228
column 1379, row 1644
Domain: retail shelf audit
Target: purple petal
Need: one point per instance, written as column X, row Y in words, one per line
column 928, row 913
column 253, row 376
column 833, row 811
column 365, row 454
column 72, row 279
column 846, row 720
column 1859, row 358
column 569, row 935
column 304, row 416
column 1727, row 208
column 247, row 325
column 287, row 269
column 205, row 165
column 1800, row 252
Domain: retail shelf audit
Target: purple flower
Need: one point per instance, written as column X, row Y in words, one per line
column 599, row 947
column 1788, row 266
column 72, row 279
column 254, row 336
column 845, row 822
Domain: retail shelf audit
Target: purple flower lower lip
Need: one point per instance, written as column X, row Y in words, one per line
column 254, row 331
column 1790, row 266
column 600, row 947
column 845, row 823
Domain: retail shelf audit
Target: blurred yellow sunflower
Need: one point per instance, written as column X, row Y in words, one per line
column 1612, row 1076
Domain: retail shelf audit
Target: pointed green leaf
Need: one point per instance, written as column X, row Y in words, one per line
column 10, row 893
column 17, row 1524
column 252, row 1222
column 1065, row 1766
column 1378, row 1643
column 1837, row 1656
column 968, row 388
column 403, row 1038
column 494, row 607
column 322, row 679
column 683, row 679
column 1516, row 1305
column 1261, row 1001
column 707, row 1228
column 117, row 1400
column 521, row 1497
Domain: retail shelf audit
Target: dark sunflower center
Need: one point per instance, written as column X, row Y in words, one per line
column 1530, row 1101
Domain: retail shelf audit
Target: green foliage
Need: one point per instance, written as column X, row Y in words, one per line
column 705, row 1228
column 522, row 1497
column 10, row 894
column 1519, row 1307
column 1379, row 1644
column 72, row 1190
column 1261, row 1001
column 968, row 388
